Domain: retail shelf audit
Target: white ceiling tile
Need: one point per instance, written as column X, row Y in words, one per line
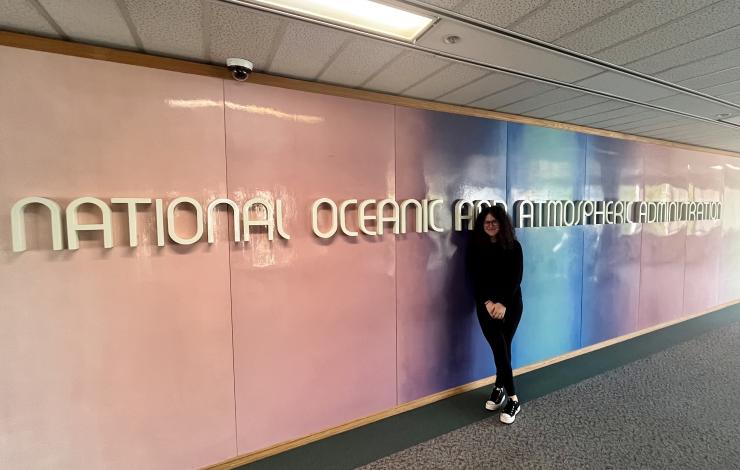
column 702, row 22
column 594, row 110
column 693, row 105
column 712, row 79
column 728, row 146
column 733, row 121
column 704, row 140
column 702, row 67
column 718, row 138
column 632, row 117
column 559, row 108
column 652, row 124
column 626, row 86
column 616, row 113
column 704, row 129
column 665, row 125
column 92, row 21
column 709, row 131
column 723, row 89
column 510, row 95
column 731, row 97
column 696, row 50
column 637, row 133
column 485, row 47
column 446, row 80
column 725, row 143
column 688, row 130
column 482, row 87
column 670, row 133
column 733, row 133
column 180, row 35
column 634, row 131
column 448, row 4
column 704, row 132
column 306, row 49
column 680, row 140
column 359, row 60
column 22, row 17
column 728, row 96
column 711, row 141
column 559, row 17
column 538, row 101
column 408, row 69
column 236, row 31
column 499, row 12
column 731, row 143
column 627, row 23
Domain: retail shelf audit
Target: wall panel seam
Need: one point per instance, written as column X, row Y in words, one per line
column 231, row 286
column 395, row 240
column 583, row 234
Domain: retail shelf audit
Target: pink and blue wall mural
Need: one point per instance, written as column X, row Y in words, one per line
column 449, row 157
column 548, row 164
column 182, row 356
column 611, row 253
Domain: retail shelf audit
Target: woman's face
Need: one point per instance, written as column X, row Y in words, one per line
column 490, row 225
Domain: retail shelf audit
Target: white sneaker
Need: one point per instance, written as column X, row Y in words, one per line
column 497, row 399
column 508, row 414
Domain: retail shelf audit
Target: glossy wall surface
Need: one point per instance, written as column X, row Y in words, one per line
column 180, row 357
column 115, row 358
column 314, row 320
column 611, row 253
column 448, row 157
column 663, row 254
column 703, row 238
column 547, row 164
column 729, row 265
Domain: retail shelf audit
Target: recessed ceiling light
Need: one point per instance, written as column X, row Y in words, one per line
column 723, row 115
column 366, row 15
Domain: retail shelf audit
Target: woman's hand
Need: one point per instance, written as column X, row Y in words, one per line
column 498, row 311
column 489, row 307
column 495, row 310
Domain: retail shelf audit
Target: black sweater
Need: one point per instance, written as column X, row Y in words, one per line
column 496, row 273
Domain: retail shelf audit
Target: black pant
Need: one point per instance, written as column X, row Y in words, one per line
column 499, row 334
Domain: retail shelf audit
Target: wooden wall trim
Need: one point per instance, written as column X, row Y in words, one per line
column 285, row 446
column 57, row 46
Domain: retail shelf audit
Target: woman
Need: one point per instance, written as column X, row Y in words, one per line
column 495, row 262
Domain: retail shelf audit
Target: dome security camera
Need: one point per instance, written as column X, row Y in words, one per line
column 240, row 68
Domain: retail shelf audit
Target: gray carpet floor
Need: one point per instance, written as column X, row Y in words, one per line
column 677, row 409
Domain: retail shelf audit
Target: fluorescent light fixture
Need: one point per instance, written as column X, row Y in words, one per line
column 365, row 15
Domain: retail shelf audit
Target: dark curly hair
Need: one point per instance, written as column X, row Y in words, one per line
column 506, row 235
